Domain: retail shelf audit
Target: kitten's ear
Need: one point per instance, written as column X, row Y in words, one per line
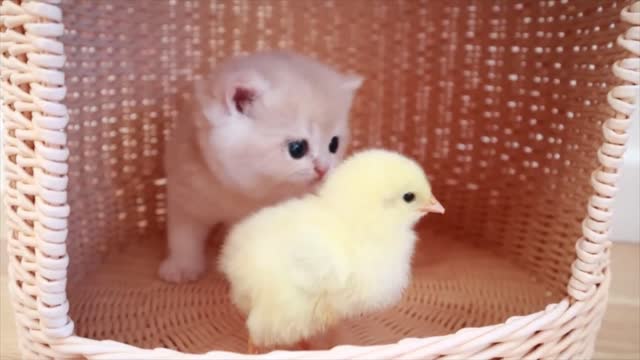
column 202, row 92
column 205, row 100
column 242, row 89
column 230, row 94
column 352, row 82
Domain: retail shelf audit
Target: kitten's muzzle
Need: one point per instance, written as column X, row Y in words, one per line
column 320, row 171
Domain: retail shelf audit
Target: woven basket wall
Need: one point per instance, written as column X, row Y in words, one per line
column 516, row 109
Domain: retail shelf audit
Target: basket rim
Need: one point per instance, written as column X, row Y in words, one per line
column 469, row 342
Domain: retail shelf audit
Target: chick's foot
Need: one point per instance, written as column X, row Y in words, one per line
column 303, row 345
column 254, row 349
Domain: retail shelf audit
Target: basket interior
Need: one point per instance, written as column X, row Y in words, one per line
column 501, row 102
column 454, row 285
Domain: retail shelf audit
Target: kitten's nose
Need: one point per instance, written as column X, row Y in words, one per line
column 320, row 170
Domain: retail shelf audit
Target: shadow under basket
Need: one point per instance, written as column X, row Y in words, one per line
column 517, row 110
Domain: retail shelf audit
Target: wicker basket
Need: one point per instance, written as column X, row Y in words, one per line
column 517, row 109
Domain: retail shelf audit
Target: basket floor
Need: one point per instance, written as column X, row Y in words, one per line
column 454, row 285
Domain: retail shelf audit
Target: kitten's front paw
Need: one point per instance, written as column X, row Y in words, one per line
column 177, row 271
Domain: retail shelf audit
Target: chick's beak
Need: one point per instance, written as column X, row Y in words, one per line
column 433, row 207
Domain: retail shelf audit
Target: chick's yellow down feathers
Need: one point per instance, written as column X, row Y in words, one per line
column 301, row 266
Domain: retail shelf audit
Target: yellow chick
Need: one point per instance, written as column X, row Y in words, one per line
column 303, row 265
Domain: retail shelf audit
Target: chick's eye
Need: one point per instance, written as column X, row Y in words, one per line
column 408, row 197
column 298, row 148
column 333, row 145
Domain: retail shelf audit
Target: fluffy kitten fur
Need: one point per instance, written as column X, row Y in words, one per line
column 229, row 154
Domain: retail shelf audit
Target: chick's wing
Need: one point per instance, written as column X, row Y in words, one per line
column 317, row 265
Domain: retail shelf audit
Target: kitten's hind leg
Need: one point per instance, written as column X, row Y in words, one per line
column 187, row 237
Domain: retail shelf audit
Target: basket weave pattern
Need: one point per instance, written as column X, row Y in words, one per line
column 518, row 111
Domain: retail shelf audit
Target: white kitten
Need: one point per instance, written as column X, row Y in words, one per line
column 262, row 128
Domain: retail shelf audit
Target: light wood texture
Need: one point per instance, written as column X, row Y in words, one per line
column 619, row 337
column 620, row 334
column 8, row 338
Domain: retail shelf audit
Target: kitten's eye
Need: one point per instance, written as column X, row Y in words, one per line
column 333, row 145
column 298, row 148
column 408, row 197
